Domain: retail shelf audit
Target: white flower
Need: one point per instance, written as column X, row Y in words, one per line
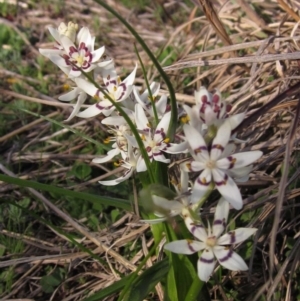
column 170, row 208
column 147, row 102
column 129, row 163
column 215, row 165
column 119, row 129
column 212, row 244
column 81, row 97
column 210, row 110
column 116, row 89
column 210, row 107
column 155, row 140
column 73, row 58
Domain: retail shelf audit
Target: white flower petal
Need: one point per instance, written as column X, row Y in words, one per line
column 91, row 111
column 220, row 141
column 161, row 106
column 197, row 166
column 158, row 156
column 98, row 53
column 196, row 143
column 221, row 216
column 202, row 95
column 70, row 95
column 80, row 100
column 184, row 246
column 141, row 120
column 228, row 188
column 201, row 186
column 206, row 265
column 84, row 36
column 240, row 174
column 196, row 228
column 86, row 86
column 131, row 77
column 110, row 154
column 141, row 165
column 235, row 120
column 123, row 178
column 114, row 120
column 239, row 160
column 229, row 259
column 162, row 127
column 236, row 236
column 173, row 148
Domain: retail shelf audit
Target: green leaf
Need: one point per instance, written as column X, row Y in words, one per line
column 171, row 289
column 141, row 287
column 107, row 201
column 115, row 213
column 108, row 291
column 50, row 282
column 81, row 171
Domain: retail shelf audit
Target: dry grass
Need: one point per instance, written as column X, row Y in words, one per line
column 260, row 63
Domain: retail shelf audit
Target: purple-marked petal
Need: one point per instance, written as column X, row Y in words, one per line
column 228, row 188
column 92, row 111
column 201, row 186
column 220, row 141
column 229, row 259
column 184, row 246
column 173, row 148
column 196, row 228
column 162, row 127
column 236, row 236
column 196, row 142
column 221, row 216
column 239, row 160
column 206, row 265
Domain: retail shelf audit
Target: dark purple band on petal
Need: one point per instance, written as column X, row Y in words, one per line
column 232, row 161
column 218, row 146
column 124, row 88
column 191, row 247
column 222, row 182
column 206, row 183
column 200, row 149
column 227, row 257
column 232, row 237
column 218, row 222
column 98, row 106
column 206, row 260
column 195, row 226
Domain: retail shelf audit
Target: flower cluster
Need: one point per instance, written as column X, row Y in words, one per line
column 205, row 141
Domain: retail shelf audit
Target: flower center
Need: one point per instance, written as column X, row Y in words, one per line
column 211, row 241
column 211, row 164
column 79, row 60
